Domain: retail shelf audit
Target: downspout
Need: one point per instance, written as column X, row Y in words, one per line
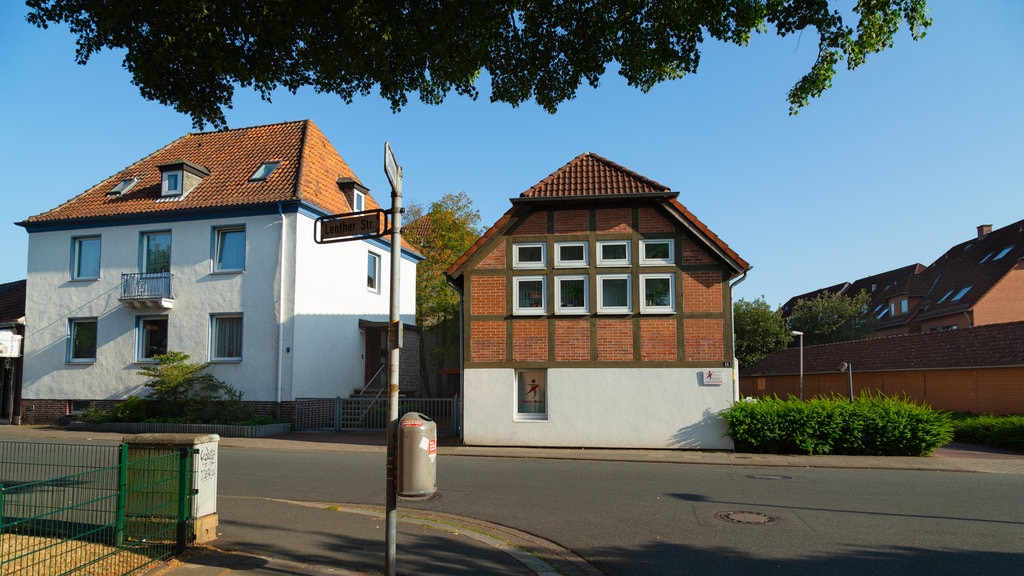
column 280, row 317
column 732, row 320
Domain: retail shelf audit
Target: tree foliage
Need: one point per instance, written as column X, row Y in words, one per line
column 760, row 332
column 191, row 55
column 833, row 317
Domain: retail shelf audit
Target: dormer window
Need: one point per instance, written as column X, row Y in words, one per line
column 358, row 201
column 123, row 187
column 354, row 192
column 264, row 171
column 171, row 184
column 179, row 178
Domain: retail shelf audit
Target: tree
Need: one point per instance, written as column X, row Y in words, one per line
column 190, row 55
column 760, row 332
column 833, row 317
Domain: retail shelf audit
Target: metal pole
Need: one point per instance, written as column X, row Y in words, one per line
column 801, row 366
column 849, row 379
column 394, row 343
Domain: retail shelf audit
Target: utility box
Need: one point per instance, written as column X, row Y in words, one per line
column 417, row 456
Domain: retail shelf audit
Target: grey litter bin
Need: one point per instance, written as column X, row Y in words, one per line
column 417, row 456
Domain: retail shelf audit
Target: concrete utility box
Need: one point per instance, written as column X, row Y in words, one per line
column 417, row 456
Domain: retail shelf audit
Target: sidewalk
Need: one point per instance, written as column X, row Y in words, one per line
column 347, row 539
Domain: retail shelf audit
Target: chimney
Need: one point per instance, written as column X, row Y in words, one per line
column 984, row 229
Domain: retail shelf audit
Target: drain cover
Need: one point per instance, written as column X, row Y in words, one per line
column 748, row 517
column 769, row 477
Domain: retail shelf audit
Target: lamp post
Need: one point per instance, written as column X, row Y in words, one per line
column 848, row 368
column 801, row 335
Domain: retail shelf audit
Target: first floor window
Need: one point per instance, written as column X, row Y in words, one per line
column 657, row 293
column 82, row 340
column 152, row 337
column 229, row 250
column 529, row 295
column 531, row 395
column 85, row 263
column 226, row 337
column 613, row 294
column 571, row 295
column 373, row 272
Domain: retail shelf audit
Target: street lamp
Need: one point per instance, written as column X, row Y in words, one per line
column 801, row 335
column 848, row 368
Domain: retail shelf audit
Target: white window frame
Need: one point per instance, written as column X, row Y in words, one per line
column 601, row 308
column 646, row 308
column 563, row 263
column 519, row 264
column 602, row 261
column 358, row 201
column 529, row 310
column 76, row 257
column 215, row 327
column 175, row 177
column 522, row 399
column 140, row 322
column 645, row 261
column 264, row 171
column 562, row 309
column 219, row 234
column 373, row 276
column 73, row 323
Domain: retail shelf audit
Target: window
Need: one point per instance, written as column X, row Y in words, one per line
column 263, row 171
column 961, row 293
column 372, row 272
column 943, row 299
column 658, row 293
column 229, row 249
column 123, row 186
column 82, row 340
column 86, row 258
column 571, row 295
column 570, row 254
column 531, row 395
column 151, row 338
column 655, row 252
column 225, row 337
column 529, row 295
column 358, row 201
column 1003, row 252
column 613, row 294
column 156, row 252
column 170, row 184
column 531, row 255
column 613, row 253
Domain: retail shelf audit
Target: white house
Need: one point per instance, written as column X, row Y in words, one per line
column 207, row 246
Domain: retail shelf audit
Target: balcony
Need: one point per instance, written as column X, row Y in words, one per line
column 149, row 291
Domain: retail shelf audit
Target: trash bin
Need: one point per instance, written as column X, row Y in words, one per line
column 417, row 456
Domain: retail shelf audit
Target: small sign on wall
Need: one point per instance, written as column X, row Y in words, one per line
column 712, row 376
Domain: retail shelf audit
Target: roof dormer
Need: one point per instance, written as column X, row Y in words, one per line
column 179, row 178
column 354, row 192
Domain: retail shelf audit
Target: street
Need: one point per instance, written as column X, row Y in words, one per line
column 662, row 518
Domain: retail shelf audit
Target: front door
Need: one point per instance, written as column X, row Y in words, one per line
column 376, row 358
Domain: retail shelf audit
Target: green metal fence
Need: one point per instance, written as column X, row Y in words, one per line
column 114, row 519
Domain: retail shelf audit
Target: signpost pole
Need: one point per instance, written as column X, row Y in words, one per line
column 394, row 173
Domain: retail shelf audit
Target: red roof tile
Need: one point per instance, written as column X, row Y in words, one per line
column 591, row 175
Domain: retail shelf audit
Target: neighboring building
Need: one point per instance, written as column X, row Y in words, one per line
column 974, row 283
column 12, row 329
column 597, row 313
column 978, row 370
column 206, row 246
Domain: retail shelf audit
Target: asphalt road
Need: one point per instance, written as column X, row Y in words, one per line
column 633, row 518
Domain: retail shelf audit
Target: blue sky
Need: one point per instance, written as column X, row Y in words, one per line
column 899, row 161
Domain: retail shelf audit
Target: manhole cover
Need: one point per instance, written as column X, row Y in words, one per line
column 769, row 477
column 748, row 517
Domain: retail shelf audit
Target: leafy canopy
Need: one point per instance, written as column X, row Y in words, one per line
column 760, row 332
column 832, row 317
column 190, row 55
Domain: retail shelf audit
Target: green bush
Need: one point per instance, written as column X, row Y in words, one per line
column 871, row 424
column 996, row 431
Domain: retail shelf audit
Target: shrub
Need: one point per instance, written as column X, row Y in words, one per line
column 871, row 424
column 996, row 431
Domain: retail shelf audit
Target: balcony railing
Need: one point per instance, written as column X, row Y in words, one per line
column 147, row 290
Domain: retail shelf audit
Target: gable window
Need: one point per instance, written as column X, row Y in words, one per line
column 656, row 252
column 373, row 272
column 531, row 255
column 226, row 338
column 150, row 337
column 613, row 253
column 529, row 295
column 85, row 260
column 264, row 171
column 156, row 252
column 81, row 340
column 170, row 183
column 658, row 294
column 613, row 295
column 531, row 395
column 229, row 249
column 570, row 254
column 571, row 295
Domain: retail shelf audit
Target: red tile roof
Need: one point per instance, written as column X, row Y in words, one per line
column 12, row 301
column 309, row 170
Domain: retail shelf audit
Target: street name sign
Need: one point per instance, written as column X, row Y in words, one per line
column 351, row 226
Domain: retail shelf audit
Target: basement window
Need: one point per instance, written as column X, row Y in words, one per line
column 264, row 171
